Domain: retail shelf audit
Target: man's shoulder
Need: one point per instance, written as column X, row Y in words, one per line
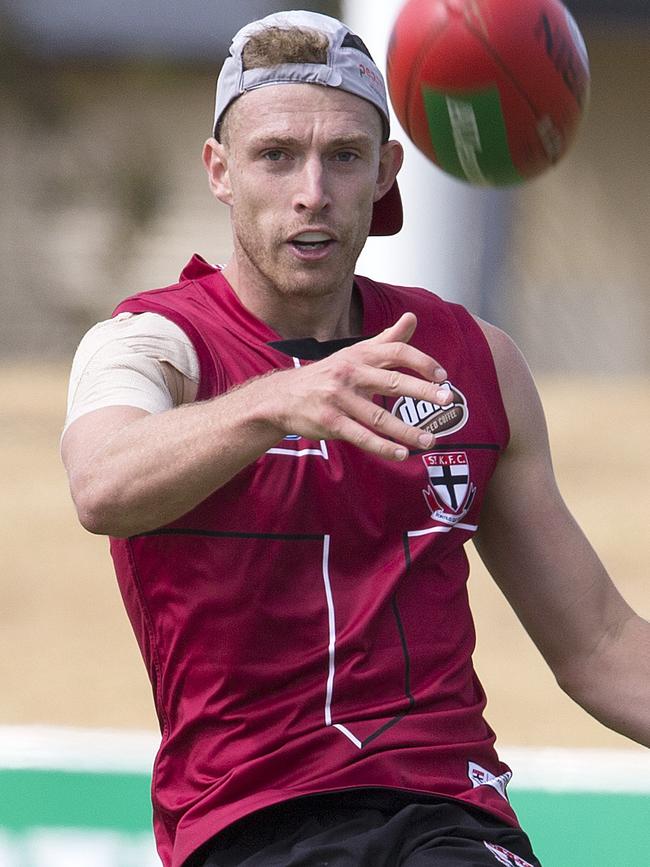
column 193, row 274
column 424, row 302
column 398, row 290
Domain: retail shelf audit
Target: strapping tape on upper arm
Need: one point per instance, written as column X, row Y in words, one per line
column 119, row 363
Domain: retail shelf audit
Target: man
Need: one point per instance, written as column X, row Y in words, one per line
column 289, row 459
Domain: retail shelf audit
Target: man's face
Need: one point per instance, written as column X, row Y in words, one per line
column 302, row 166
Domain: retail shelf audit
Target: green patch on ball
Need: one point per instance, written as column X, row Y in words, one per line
column 468, row 135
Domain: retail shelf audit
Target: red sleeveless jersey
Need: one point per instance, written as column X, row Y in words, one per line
column 307, row 627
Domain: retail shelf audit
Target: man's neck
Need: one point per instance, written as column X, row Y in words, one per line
column 325, row 317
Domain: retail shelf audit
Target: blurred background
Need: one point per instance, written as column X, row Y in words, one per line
column 104, row 110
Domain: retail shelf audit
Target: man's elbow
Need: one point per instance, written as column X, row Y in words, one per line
column 94, row 520
column 573, row 680
column 587, row 678
column 100, row 511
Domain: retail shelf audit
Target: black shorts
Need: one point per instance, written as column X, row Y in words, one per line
column 368, row 828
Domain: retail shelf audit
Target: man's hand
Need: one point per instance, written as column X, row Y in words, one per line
column 333, row 398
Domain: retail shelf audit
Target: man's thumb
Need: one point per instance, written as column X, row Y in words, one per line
column 400, row 331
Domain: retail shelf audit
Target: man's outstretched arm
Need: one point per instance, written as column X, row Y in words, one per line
column 131, row 471
column 596, row 645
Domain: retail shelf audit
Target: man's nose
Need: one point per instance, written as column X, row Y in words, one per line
column 312, row 188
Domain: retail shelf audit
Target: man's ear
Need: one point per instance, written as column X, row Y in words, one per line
column 390, row 162
column 215, row 160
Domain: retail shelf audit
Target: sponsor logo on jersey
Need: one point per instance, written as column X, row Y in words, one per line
column 505, row 856
column 451, row 492
column 435, row 419
column 479, row 776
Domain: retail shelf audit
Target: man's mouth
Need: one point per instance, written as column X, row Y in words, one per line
column 308, row 241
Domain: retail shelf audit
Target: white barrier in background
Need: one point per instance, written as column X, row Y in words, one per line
column 553, row 769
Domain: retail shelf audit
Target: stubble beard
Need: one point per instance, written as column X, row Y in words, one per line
column 275, row 272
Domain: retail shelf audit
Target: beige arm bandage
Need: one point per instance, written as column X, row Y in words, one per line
column 122, row 361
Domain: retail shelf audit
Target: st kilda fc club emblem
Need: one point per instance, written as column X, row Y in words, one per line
column 450, row 492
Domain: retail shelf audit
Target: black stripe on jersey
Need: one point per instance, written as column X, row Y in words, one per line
column 220, row 534
column 445, row 447
column 407, row 659
column 407, row 665
column 389, row 724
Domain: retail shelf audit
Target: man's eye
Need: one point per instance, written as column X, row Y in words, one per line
column 346, row 156
column 274, row 156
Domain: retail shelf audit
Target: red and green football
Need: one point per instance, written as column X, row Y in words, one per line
column 492, row 91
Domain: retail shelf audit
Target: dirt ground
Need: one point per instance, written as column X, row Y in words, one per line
column 67, row 655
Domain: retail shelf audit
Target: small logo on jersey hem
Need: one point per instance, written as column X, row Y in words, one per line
column 505, row 856
column 479, row 776
column 451, row 492
column 432, row 418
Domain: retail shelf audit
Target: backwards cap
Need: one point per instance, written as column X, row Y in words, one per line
column 349, row 67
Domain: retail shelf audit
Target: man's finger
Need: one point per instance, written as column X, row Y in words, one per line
column 382, row 423
column 392, row 355
column 363, row 438
column 371, row 380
